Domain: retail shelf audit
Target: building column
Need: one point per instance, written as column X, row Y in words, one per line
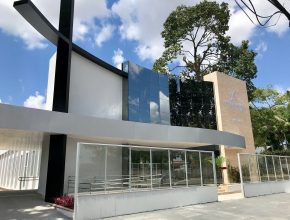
column 56, row 167
column 57, row 145
column 225, row 174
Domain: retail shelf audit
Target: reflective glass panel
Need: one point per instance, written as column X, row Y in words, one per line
column 288, row 163
column 244, row 159
column 277, row 168
column 271, row 170
column 91, row 168
column 207, row 168
column 117, row 168
column 146, row 89
column 284, row 168
column 140, row 168
column 160, row 169
column 193, row 168
column 177, row 162
column 262, row 168
column 254, row 168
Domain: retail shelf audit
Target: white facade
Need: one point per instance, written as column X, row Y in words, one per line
column 50, row 82
column 94, row 91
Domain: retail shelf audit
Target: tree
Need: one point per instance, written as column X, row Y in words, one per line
column 270, row 113
column 196, row 44
column 238, row 61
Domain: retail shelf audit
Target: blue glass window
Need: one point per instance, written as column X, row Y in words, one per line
column 148, row 95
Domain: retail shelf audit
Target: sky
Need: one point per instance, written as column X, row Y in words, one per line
column 120, row 30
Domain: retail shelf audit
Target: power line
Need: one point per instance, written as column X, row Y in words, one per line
column 261, row 19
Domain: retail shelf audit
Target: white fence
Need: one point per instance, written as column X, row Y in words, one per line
column 264, row 174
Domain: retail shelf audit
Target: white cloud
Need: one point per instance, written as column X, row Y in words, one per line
column 240, row 27
column 118, row 58
column 281, row 89
column 154, row 113
column 265, row 8
column 35, row 101
column 261, row 48
column 12, row 23
column 142, row 21
column 86, row 11
column 152, row 51
column 2, row 102
column 105, row 34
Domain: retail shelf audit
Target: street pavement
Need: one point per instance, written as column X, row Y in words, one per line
column 31, row 206
column 26, row 206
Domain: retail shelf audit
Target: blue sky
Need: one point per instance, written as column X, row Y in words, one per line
column 116, row 31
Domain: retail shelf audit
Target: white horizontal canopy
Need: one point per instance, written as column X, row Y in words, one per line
column 112, row 131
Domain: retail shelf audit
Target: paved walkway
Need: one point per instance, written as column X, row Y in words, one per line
column 274, row 207
column 27, row 206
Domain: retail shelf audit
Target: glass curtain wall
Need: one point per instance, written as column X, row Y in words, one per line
column 118, row 168
column 192, row 103
column 159, row 99
column 148, row 95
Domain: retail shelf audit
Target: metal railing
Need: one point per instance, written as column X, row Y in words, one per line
column 24, row 179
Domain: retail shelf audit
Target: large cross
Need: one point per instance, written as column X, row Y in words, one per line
column 62, row 38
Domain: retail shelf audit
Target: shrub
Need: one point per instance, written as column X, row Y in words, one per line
column 234, row 174
column 65, row 201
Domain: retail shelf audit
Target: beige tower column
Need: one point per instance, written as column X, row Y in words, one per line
column 233, row 114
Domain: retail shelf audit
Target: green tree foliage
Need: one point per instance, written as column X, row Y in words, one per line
column 238, row 61
column 270, row 113
column 277, row 152
column 196, row 44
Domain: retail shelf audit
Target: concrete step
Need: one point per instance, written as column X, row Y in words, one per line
column 229, row 188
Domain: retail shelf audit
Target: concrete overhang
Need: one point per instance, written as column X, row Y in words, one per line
column 112, row 131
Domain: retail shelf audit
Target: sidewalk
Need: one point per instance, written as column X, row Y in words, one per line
column 26, row 207
column 274, row 207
